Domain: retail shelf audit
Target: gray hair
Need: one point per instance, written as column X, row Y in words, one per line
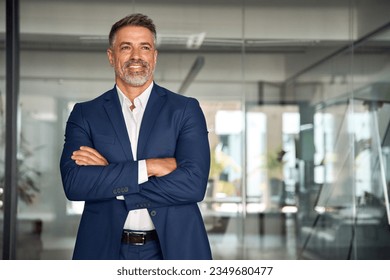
column 132, row 20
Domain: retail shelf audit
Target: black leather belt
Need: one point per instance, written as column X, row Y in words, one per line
column 138, row 237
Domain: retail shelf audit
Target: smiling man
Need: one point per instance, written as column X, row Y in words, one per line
column 139, row 156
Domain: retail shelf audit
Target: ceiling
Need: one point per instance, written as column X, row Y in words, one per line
column 215, row 34
column 211, row 35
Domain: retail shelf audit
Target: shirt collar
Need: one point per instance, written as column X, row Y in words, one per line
column 143, row 97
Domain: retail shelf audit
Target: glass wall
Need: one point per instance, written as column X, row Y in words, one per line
column 346, row 208
column 296, row 101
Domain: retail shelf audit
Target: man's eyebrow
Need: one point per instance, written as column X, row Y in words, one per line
column 130, row 43
column 125, row 43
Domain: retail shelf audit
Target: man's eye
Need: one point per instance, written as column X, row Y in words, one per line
column 124, row 48
column 146, row 48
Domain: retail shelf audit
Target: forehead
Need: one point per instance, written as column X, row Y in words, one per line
column 134, row 34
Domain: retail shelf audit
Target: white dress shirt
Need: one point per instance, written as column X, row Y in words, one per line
column 136, row 219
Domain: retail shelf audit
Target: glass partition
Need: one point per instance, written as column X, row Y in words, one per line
column 296, row 100
column 348, row 207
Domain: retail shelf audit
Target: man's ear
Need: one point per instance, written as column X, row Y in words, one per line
column 155, row 57
column 110, row 58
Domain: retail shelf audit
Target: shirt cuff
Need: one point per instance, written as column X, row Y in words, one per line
column 142, row 172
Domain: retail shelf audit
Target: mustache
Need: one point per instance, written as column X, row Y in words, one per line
column 135, row 62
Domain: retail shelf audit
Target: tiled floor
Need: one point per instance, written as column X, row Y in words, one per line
column 267, row 246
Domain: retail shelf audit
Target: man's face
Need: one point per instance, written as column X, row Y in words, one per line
column 133, row 55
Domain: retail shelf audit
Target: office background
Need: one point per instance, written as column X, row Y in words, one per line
column 296, row 95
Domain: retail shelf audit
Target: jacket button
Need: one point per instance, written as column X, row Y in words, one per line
column 153, row 213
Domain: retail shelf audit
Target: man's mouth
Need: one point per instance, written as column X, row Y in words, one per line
column 135, row 66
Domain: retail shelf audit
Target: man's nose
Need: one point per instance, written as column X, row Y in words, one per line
column 135, row 54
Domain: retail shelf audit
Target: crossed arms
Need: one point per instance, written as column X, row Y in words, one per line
column 155, row 167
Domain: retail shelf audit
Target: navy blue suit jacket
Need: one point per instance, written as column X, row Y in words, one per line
column 172, row 126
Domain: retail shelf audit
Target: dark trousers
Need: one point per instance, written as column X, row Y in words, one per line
column 149, row 251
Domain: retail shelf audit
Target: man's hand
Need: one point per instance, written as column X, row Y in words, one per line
column 160, row 166
column 88, row 156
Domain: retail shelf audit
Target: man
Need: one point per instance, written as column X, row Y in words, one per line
column 138, row 155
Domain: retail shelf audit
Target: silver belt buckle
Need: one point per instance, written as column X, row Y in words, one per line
column 141, row 234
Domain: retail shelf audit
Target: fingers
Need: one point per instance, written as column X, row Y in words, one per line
column 92, row 151
column 88, row 156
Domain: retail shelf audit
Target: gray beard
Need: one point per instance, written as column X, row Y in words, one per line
column 137, row 80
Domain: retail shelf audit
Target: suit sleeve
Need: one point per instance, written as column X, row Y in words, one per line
column 186, row 184
column 88, row 183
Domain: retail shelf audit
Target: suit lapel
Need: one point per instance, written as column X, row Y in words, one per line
column 114, row 113
column 155, row 103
